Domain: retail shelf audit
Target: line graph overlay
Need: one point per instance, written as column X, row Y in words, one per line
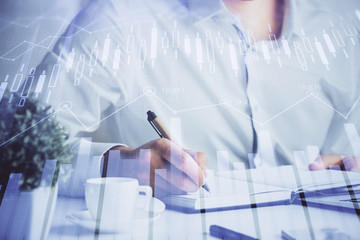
column 286, row 109
column 345, row 116
column 174, row 111
column 111, row 114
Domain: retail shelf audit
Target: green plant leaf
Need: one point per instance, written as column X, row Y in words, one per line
column 28, row 152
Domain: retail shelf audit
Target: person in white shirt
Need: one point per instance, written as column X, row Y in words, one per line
column 242, row 81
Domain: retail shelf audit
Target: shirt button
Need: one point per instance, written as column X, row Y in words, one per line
column 254, row 106
column 252, row 49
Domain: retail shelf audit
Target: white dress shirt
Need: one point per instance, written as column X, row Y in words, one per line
column 216, row 88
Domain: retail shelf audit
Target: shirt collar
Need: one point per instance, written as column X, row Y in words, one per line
column 292, row 19
column 299, row 12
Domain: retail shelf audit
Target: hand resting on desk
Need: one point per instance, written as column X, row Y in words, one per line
column 347, row 163
column 185, row 169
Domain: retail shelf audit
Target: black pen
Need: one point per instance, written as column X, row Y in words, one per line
column 163, row 133
column 224, row 233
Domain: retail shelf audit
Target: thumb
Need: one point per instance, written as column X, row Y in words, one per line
column 317, row 165
column 324, row 161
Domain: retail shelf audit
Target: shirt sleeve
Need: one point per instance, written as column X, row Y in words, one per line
column 80, row 87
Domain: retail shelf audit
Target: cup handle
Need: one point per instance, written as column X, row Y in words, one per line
column 148, row 194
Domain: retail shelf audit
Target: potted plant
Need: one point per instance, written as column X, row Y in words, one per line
column 32, row 148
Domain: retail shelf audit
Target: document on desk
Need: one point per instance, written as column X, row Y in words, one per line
column 263, row 187
column 290, row 178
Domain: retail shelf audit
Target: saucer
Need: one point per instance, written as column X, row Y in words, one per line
column 84, row 219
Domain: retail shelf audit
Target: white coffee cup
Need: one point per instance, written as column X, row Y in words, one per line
column 113, row 200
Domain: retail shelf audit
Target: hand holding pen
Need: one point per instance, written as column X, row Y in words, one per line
column 163, row 133
column 162, row 164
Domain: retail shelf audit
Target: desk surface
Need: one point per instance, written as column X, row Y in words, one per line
column 177, row 225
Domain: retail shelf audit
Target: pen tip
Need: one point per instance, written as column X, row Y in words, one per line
column 206, row 187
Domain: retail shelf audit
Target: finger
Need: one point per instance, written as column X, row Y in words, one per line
column 180, row 160
column 200, row 158
column 175, row 181
column 351, row 164
column 324, row 161
column 176, row 178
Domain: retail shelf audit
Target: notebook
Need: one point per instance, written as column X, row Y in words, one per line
column 265, row 187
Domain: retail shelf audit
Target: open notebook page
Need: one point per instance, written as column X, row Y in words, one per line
column 290, row 178
column 228, row 192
